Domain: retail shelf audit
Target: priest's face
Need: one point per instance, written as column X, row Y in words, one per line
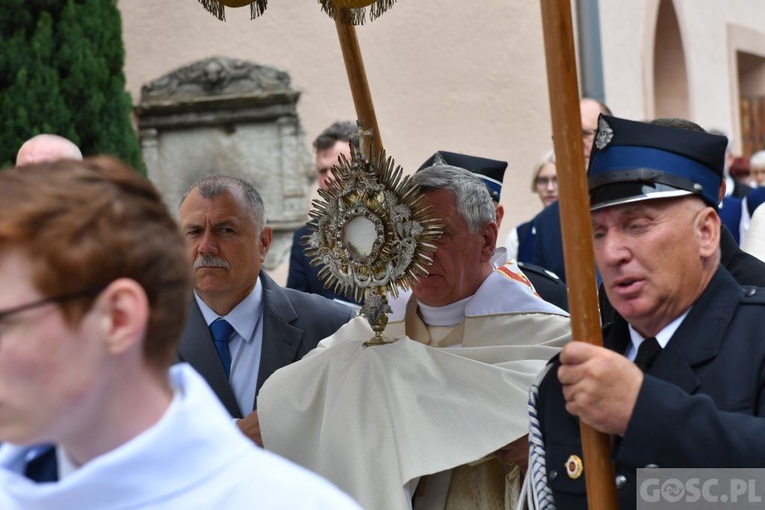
column 460, row 260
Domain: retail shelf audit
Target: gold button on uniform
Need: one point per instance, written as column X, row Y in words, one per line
column 574, row 467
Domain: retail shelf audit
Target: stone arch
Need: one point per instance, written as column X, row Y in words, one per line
column 669, row 91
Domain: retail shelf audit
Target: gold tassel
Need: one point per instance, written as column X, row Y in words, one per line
column 214, row 7
column 379, row 8
column 353, row 4
column 353, row 12
column 217, row 7
column 257, row 8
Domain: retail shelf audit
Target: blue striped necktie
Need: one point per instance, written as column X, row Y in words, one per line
column 221, row 333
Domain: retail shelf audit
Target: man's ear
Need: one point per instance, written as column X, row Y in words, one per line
column 489, row 233
column 265, row 242
column 124, row 315
column 500, row 214
column 708, row 231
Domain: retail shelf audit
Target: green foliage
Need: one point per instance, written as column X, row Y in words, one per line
column 61, row 72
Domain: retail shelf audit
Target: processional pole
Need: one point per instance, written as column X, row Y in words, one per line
column 576, row 226
column 357, row 78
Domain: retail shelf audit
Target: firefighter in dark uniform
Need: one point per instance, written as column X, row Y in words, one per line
column 680, row 380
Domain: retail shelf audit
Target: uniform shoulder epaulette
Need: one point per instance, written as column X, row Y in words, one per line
column 753, row 295
column 540, row 271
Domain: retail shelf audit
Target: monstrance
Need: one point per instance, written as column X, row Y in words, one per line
column 372, row 232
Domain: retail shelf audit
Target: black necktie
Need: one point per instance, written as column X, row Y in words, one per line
column 647, row 353
column 44, row 467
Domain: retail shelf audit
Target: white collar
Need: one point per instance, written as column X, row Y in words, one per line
column 662, row 336
column 243, row 317
column 448, row 315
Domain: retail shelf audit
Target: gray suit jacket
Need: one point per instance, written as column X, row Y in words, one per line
column 293, row 323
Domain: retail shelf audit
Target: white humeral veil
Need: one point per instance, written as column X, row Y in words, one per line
column 373, row 420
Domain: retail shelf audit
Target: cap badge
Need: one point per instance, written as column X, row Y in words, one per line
column 438, row 160
column 574, row 467
column 605, row 134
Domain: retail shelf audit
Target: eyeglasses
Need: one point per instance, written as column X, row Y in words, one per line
column 545, row 181
column 4, row 314
column 588, row 135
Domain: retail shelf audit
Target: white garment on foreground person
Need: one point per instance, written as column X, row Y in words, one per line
column 194, row 457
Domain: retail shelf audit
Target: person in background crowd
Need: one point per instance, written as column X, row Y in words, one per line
column 520, row 241
column 757, row 168
column 755, row 238
column 731, row 208
column 548, row 241
column 756, row 196
column 733, row 187
column 42, row 148
column 330, row 145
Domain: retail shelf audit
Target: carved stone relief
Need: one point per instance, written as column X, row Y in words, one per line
column 230, row 117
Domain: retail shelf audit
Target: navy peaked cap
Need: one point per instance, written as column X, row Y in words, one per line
column 491, row 171
column 633, row 161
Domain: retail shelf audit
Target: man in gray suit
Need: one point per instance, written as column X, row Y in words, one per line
column 241, row 325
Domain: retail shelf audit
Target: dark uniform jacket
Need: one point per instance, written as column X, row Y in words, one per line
column 701, row 404
column 547, row 284
column 548, row 240
column 303, row 276
column 745, row 268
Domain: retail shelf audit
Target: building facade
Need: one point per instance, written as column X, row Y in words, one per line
column 470, row 76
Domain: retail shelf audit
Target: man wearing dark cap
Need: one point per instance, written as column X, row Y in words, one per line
column 678, row 383
column 745, row 268
column 490, row 171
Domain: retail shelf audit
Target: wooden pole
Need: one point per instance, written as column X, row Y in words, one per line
column 576, row 225
column 357, row 78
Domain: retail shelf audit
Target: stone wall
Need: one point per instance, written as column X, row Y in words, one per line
column 231, row 117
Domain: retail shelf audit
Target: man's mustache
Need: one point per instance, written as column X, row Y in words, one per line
column 210, row 261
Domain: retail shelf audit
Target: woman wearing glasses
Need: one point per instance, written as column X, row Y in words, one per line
column 520, row 242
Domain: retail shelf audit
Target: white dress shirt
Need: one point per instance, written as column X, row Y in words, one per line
column 662, row 336
column 246, row 345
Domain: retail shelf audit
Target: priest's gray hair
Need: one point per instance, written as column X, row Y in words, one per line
column 473, row 200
